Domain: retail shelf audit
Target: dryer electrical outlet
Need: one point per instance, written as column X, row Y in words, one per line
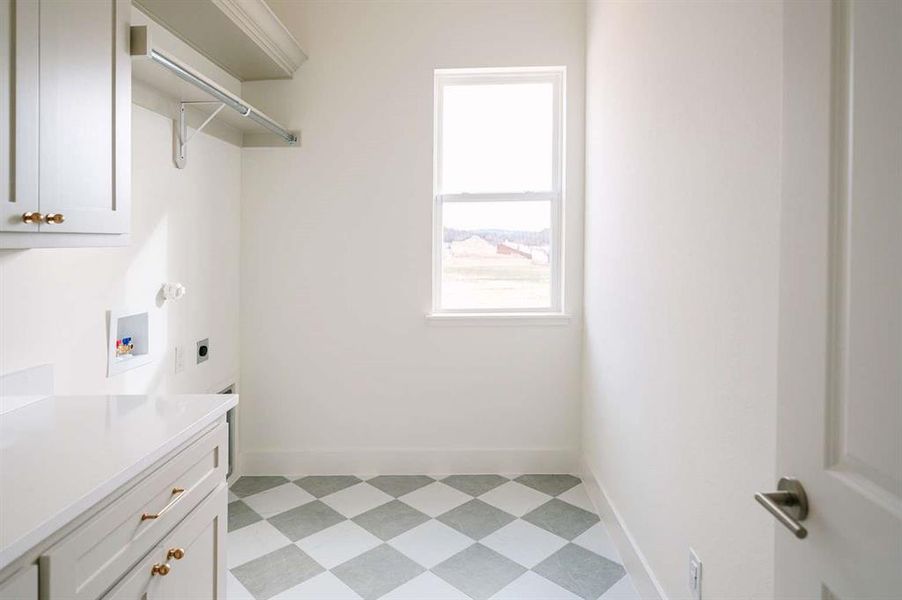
column 203, row 350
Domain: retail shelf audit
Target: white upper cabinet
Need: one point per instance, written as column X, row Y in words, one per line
column 66, row 112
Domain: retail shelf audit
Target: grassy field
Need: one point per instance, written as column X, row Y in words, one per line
column 494, row 282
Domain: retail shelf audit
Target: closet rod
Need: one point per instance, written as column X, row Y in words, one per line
column 222, row 96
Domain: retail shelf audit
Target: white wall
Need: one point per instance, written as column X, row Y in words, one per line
column 340, row 371
column 683, row 180
column 185, row 227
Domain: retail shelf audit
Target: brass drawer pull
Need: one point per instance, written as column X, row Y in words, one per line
column 161, row 570
column 176, row 553
column 32, row 218
column 176, row 494
column 52, row 218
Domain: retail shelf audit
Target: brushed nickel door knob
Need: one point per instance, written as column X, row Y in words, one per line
column 789, row 505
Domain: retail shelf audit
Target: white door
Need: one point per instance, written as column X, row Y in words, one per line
column 840, row 379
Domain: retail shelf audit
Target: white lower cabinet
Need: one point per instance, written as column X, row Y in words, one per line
column 21, row 585
column 199, row 573
column 162, row 537
column 140, row 583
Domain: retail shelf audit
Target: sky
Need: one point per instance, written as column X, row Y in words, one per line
column 518, row 216
column 497, row 139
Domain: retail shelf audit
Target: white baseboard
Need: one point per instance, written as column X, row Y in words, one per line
column 408, row 461
column 647, row 585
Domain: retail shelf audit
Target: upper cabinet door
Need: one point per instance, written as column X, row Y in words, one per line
column 18, row 115
column 85, row 114
column 70, row 91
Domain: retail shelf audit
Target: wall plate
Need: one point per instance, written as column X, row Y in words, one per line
column 695, row 575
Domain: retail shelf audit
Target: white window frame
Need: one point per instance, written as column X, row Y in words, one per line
column 555, row 196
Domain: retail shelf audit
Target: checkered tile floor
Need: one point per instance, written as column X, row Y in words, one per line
column 420, row 538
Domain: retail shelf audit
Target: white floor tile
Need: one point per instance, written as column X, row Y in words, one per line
column 524, row 543
column 622, row 590
column 236, row 591
column 577, row 496
column 426, row 587
column 515, row 498
column 339, row 543
column 530, row 586
column 277, row 500
column 430, row 543
column 324, row 586
column 435, row 499
column 255, row 540
column 356, row 499
column 598, row 540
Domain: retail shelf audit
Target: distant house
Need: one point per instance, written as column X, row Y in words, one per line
column 511, row 248
column 473, row 246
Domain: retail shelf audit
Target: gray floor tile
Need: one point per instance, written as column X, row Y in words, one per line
column 305, row 520
column 323, row 485
column 476, row 519
column 580, row 571
column 553, row 485
column 561, row 518
column 377, row 572
column 398, row 485
column 246, row 486
column 478, row 571
column 390, row 520
column 241, row 515
column 276, row 572
column 475, row 485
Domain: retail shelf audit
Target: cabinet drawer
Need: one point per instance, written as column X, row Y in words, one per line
column 199, row 573
column 87, row 562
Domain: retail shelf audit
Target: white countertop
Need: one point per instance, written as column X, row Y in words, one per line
column 61, row 455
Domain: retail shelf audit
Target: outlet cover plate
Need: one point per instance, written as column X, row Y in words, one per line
column 695, row 575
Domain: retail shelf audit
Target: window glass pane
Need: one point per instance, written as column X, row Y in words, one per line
column 496, row 255
column 497, row 138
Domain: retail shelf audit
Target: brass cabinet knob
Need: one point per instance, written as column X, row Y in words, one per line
column 161, row 570
column 55, row 218
column 176, row 553
column 32, row 217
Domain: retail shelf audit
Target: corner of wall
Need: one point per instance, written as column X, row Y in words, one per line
column 635, row 562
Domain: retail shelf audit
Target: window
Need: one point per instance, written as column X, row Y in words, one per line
column 498, row 191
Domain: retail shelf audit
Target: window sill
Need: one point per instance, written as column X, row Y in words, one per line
column 499, row 319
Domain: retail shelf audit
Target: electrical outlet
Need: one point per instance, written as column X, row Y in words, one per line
column 203, row 350
column 695, row 575
column 179, row 359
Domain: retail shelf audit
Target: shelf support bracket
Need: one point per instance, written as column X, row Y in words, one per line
column 181, row 137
